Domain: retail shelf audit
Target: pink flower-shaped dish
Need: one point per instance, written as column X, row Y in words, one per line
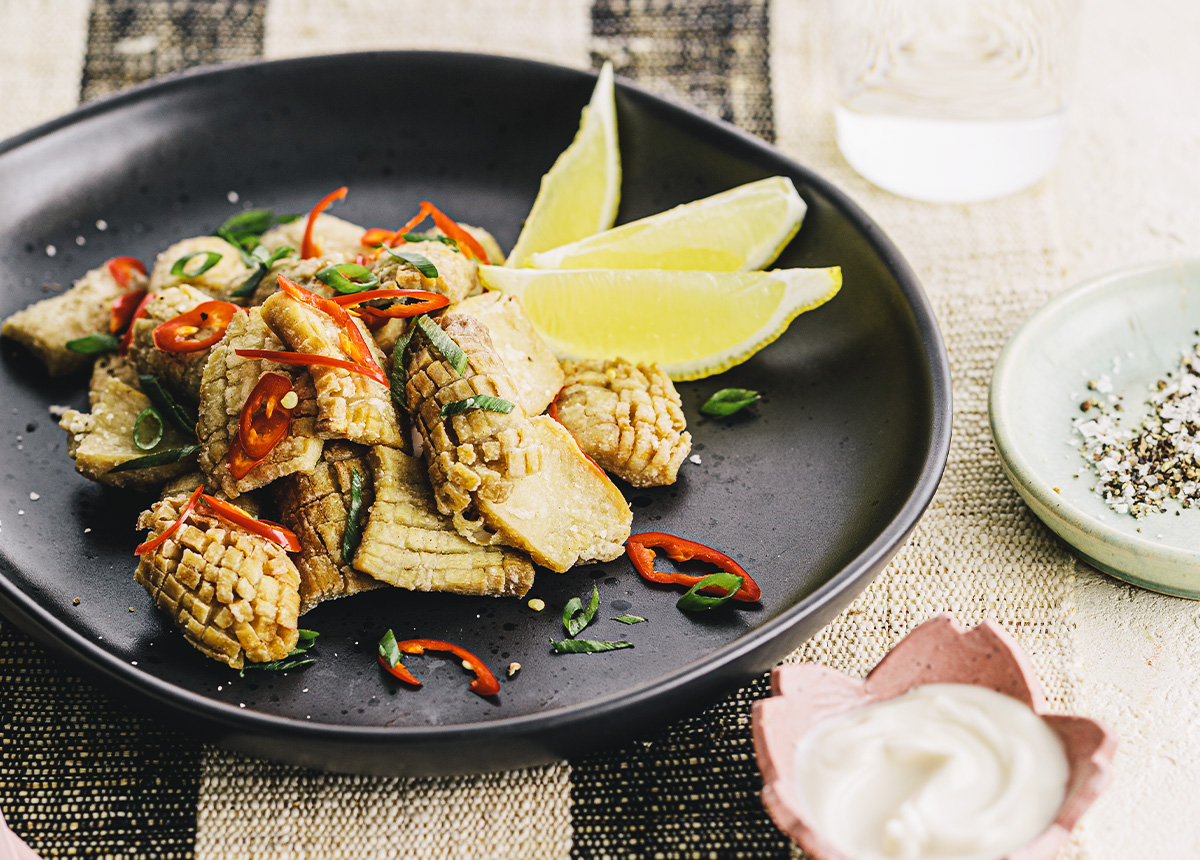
column 937, row 652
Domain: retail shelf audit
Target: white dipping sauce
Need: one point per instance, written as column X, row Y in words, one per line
column 944, row 771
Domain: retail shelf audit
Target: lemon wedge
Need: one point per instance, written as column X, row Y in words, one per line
column 737, row 230
column 692, row 324
column 580, row 193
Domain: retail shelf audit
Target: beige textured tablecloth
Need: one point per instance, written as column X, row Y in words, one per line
column 1125, row 191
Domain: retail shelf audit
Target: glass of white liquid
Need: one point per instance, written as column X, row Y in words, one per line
column 952, row 101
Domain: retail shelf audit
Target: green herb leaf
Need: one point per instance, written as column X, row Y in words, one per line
column 693, row 601
column 248, row 286
column 420, row 261
column 270, row 259
column 180, row 269
column 587, row 646
column 396, row 376
column 629, row 619
column 159, row 458
column 430, row 237
column 388, row 649
column 305, row 640
column 183, row 419
column 443, row 343
column 253, row 222
column 478, row 401
column 575, row 618
column 94, row 344
column 729, row 400
column 353, row 526
column 262, row 260
column 145, row 415
column 348, row 277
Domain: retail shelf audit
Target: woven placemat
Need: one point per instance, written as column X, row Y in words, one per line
column 690, row 791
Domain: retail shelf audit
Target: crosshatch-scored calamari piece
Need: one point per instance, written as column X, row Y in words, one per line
column 181, row 372
column 103, row 438
column 234, row 595
column 626, row 417
column 535, row 371
column 315, row 504
column 506, row 478
column 407, row 543
column 228, row 380
column 350, row 405
column 45, row 327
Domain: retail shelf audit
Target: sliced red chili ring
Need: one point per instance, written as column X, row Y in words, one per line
column 484, row 683
column 428, row 302
column 398, row 671
column 376, row 236
column 138, row 312
column 155, row 542
column 265, row 418
column 122, row 308
column 308, row 248
column 398, row 236
column 303, row 359
column 639, row 549
column 238, row 462
column 352, row 343
column 122, row 269
column 274, row 532
column 450, row 227
column 197, row 329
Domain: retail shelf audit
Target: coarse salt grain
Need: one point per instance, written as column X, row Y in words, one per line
column 51, row 250
column 101, row 225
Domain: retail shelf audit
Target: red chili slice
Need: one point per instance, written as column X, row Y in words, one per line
column 238, row 462
column 138, row 312
column 303, row 359
column 638, row 548
column 450, row 227
column 484, row 683
column 308, row 248
column 122, row 308
column 197, row 329
column 376, row 236
column 428, row 302
column 123, row 268
column 352, row 341
column 398, row 236
column 155, row 542
column 398, row 671
column 274, row 532
column 265, row 419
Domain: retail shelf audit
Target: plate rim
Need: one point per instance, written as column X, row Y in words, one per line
column 824, row 600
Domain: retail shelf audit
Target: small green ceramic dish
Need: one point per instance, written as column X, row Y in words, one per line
column 1129, row 325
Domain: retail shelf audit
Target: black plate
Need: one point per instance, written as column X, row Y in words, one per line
column 813, row 494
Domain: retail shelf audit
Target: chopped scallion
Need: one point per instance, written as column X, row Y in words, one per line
column 693, row 601
column 94, row 344
column 478, row 401
column 629, row 619
column 420, row 261
column 728, row 401
column 180, row 269
column 156, row 434
column 575, row 617
column 587, row 646
column 158, row 458
column 443, row 343
column 353, row 526
column 348, row 277
column 167, row 405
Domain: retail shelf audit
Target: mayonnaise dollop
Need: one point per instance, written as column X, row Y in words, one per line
column 944, row 771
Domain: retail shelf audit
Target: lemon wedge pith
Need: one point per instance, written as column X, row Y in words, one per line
column 692, row 324
column 741, row 229
column 580, row 193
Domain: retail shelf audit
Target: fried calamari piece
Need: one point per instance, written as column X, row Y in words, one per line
column 227, row 383
column 226, row 274
column 111, row 365
column 626, row 417
column 457, row 278
column 407, row 543
column 45, row 327
column 181, row 372
column 234, row 595
column 103, row 438
column 534, row 369
column 315, row 504
column 350, row 405
column 303, row 272
column 332, row 235
column 503, row 477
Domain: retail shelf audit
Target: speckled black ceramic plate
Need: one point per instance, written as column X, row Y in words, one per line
column 813, row 492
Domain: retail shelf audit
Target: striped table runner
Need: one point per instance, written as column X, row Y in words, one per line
column 82, row 776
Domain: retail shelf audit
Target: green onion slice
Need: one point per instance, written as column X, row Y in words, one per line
column 420, row 261
column 304, row 641
column 159, row 458
column 180, row 269
column 396, row 375
column 148, row 414
column 348, row 277
column 587, row 646
column 629, row 619
column 94, row 344
column 575, row 617
column 729, row 400
column 248, row 286
column 478, row 401
column 443, row 343
column 388, row 649
column 694, row 601
column 353, row 526
column 167, row 405
column 430, row 237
